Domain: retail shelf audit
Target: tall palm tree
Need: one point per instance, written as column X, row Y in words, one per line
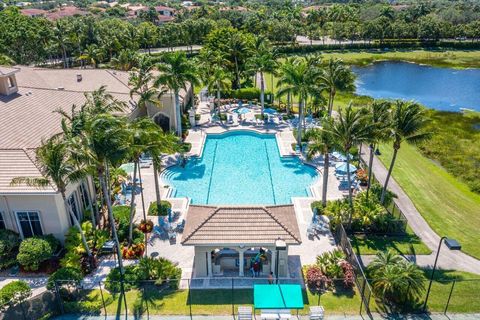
column 349, row 130
column 336, row 76
column 58, row 169
column 217, row 80
column 104, row 142
column 141, row 83
column 321, row 141
column 176, row 71
column 298, row 79
column 237, row 49
column 407, row 124
column 263, row 61
column 379, row 118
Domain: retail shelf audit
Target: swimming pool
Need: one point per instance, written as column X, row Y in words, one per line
column 239, row 168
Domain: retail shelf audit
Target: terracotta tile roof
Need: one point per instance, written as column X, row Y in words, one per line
column 19, row 163
column 163, row 8
column 33, row 12
column 241, row 225
column 63, row 12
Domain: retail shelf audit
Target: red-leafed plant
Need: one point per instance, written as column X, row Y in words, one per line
column 316, row 280
column 348, row 274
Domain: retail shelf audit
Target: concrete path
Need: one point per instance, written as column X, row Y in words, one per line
column 448, row 259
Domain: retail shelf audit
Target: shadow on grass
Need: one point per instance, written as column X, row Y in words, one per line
column 402, row 244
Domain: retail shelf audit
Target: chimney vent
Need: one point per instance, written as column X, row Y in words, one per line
column 79, row 77
column 60, row 88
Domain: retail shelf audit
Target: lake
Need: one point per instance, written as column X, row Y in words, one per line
column 437, row 88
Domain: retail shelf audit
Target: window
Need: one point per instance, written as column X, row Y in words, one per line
column 72, row 202
column 84, row 196
column 2, row 221
column 29, row 223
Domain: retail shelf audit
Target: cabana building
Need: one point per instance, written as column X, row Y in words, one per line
column 228, row 241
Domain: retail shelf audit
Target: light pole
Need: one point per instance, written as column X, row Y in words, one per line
column 452, row 244
column 280, row 245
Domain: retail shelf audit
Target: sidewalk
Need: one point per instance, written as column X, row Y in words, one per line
column 448, row 259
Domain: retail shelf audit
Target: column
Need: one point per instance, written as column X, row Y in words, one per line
column 209, row 264
column 273, row 262
column 240, row 264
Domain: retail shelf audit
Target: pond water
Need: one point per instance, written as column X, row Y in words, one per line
column 437, row 88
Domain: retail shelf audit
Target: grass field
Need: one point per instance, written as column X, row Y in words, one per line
column 448, row 205
column 404, row 245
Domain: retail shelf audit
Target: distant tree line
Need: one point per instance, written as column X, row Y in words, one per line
column 102, row 37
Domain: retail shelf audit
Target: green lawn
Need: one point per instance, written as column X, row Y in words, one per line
column 406, row 244
column 448, row 205
column 208, row 302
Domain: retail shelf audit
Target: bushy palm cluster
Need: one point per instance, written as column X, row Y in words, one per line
column 396, row 280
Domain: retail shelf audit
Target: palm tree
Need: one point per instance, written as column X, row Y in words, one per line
column 378, row 117
column 407, row 124
column 263, row 61
column 349, row 130
column 175, row 72
column 217, row 80
column 58, row 169
column 321, row 141
column 298, row 79
column 336, row 76
column 141, row 82
column 104, row 142
column 60, row 33
column 237, row 49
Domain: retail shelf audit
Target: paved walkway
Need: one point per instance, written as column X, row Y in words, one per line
column 448, row 259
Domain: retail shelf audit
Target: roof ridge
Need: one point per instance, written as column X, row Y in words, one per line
column 274, row 217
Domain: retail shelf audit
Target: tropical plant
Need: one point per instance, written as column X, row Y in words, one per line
column 379, row 119
column 217, row 80
column 14, row 293
column 329, row 263
column 394, row 279
column 349, row 130
column 58, row 168
column 321, row 141
column 176, row 71
column 9, row 243
column 63, row 277
column 316, row 280
column 298, row 79
column 336, row 76
column 32, row 252
column 407, row 124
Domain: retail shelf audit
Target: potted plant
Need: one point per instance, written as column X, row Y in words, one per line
column 146, row 226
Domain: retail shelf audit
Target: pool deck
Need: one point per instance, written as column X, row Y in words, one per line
column 183, row 255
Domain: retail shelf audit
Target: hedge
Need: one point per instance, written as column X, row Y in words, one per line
column 32, row 252
column 9, row 243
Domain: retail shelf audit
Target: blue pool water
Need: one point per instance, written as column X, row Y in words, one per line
column 241, row 167
column 436, row 88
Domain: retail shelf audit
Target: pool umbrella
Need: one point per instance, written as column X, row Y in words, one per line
column 269, row 111
column 342, row 167
column 339, row 156
column 243, row 110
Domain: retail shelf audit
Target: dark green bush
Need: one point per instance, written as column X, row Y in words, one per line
column 53, row 242
column 32, row 252
column 317, row 205
column 185, row 147
column 14, row 293
column 66, row 276
column 164, row 206
column 9, row 243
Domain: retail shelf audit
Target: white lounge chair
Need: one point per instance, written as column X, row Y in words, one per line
column 245, row 313
column 316, row 313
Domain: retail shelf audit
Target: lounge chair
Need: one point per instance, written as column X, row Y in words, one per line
column 316, row 313
column 180, row 226
column 245, row 313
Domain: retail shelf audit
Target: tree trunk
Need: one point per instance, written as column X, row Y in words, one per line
column 331, row 96
column 132, row 203
column 350, row 194
column 76, row 223
column 384, row 190
column 141, row 193
column 178, row 114
column 370, row 163
column 157, row 187
column 300, row 120
column 325, row 178
column 262, row 92
column 237, row 74
column 218, row 103
column 106, row 195
column 289, row 103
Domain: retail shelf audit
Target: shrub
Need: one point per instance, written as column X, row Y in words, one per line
column 90, row 303
column 53, row 242
column 316, row 280
column 318, row 206
column 348, row 274
column 121, row 213
column 337, row 211
column 13, row 293
column 134, row 251
column 65, row 277
column 9, row 242
column 329, row 263
column 32, row 252
column 164, row 206
column 185, row 147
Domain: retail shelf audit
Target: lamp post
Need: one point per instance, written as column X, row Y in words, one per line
column 452, row 244
column 280, row 245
